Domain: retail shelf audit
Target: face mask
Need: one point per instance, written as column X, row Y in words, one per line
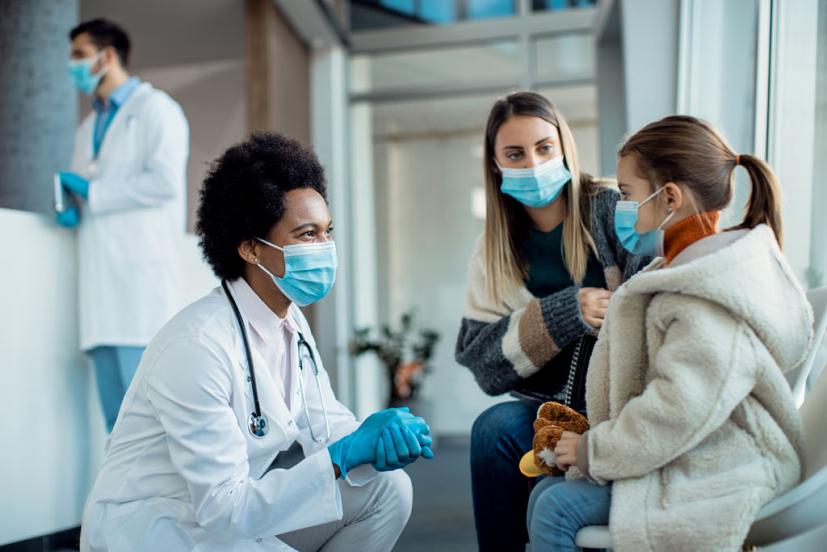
column 309, row 271
column 648, row 244
column 80, row 70
column 536, row 186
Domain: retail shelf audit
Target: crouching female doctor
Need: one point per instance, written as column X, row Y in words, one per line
column 230, row 437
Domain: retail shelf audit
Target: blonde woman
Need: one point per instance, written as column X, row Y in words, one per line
column 539, row 284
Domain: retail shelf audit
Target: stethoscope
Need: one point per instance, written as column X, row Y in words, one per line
column 257, row 422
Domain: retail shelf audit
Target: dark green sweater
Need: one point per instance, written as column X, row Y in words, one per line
column 547, row 272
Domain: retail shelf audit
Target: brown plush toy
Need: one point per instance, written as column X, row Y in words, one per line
column 552, row 420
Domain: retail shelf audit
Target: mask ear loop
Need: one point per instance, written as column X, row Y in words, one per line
column 265, row 242
column 671, row 214
column 101, row 69
column 653, row 194
column 670, row 211
column 257, row 261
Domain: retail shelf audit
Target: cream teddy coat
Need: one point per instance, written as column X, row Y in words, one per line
column 691, row 416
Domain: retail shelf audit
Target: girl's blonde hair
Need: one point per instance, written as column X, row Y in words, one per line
column 506, row 218
column 689, row 151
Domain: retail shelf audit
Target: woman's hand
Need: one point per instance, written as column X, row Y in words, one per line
column 565, row 453
column 594, row 302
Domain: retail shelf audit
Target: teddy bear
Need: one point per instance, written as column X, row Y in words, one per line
column 552, row 420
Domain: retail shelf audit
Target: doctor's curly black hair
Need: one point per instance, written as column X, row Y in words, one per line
column 243, row 195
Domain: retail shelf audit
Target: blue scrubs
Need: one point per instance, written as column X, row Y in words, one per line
column 114, row 369
column 106, row 111
column 114, row 365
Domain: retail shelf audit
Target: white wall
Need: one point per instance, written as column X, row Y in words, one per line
column 52, row 427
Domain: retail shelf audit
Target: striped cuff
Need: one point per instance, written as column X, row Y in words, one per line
column 562, row 316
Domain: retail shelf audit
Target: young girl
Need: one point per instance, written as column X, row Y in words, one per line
column 691, row 417
column 539, row 281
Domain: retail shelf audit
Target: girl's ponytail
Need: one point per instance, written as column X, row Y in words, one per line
column 764, row 206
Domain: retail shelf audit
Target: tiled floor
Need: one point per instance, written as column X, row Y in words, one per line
column 442, row 519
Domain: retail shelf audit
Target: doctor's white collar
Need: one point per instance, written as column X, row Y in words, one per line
column 264, row 321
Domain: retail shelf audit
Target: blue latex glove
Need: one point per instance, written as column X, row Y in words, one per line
column 68, row 217
column 420, row 428
column 360, row 446
column 399, row 447
column 75, row 184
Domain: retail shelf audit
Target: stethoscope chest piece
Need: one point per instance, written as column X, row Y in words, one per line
column 258, row 425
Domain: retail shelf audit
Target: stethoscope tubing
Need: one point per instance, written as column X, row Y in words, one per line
column 257, row 424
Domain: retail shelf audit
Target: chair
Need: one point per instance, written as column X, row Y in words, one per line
column 802, row 508
column 798, row 378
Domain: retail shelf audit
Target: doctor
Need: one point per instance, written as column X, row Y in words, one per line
column 230, row 437
column 127, row 179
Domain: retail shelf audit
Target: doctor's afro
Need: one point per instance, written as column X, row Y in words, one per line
column 243, row 195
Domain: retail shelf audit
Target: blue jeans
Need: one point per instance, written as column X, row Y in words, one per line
column 114, row 369
column 500, row 437
column 558, row 509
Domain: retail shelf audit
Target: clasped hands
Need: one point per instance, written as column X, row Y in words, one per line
column 388, row 440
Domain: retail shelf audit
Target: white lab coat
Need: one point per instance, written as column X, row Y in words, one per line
column 130, row 278
column 182, row 472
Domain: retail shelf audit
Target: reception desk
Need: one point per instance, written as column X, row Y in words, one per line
column 51, row 426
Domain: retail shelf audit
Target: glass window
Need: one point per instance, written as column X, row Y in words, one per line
column 424, row 160
column 564, row 57
column 484, row 64
column 719, row 82
column 437, row 11
column 377, row 14
column 817, row 271
column 542, row 5
column 578, row 104
column 401, row 6
column 484, row 9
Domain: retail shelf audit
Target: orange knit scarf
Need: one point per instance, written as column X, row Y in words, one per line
column 684, row 233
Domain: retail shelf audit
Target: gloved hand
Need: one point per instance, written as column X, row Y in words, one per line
column 399, row 447
column 420, row 428
column 360, row 446
column 75, row 184
column 68, row 217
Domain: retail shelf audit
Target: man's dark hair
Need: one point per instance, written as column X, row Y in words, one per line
column 243, row 195
column 105, row 33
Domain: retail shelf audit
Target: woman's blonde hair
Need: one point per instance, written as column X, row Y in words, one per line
column 506, row 218
column 689, row 151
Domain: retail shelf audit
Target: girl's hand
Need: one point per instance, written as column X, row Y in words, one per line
column 565, row 452
column 594, row 302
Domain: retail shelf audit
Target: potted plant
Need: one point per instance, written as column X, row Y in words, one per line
column 404, row 352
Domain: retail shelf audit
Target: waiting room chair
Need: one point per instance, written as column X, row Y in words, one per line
column 799, row 377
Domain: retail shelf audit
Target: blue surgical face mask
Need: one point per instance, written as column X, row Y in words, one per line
column 309, row 271
column 648, row 244
column 536, row 186
column 80, row 70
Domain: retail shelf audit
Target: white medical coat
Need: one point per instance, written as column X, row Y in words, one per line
column 130, row 278
column 182, row 471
